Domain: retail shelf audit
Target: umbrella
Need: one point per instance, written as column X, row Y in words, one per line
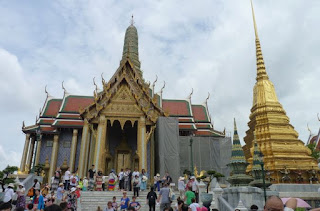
column 300, row 202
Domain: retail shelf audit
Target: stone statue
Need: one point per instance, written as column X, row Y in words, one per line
column 286, row 173
column 299, row 178
column 313, row 177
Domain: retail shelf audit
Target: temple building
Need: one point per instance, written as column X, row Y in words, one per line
column 275, row 136
column 117, row 126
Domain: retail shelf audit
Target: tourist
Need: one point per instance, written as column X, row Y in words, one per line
column 66, row 178
column 126, row 179
column 136, row 185
column 185, row 207
column 254, row 208
column 109, row 207
column 168, row 178
column 91, row 174
column 45, row 190
column 181, row 187
column 112, row 180
column 51, row 196
column 29, row 207
column 130, row 209
column 194, row 205
column 136, row 205
column 47, row 202
column 81, row 183
column 151, row 199
column 64, row 206
column 157, row 182
column 8, row 193
column 57, row 175
column 130, row 180
column 85, row 184
column 60, row 192
column 78, row 193
column 179, row 204
column 195, row 188
column 114, row 203
column 143, row 179
column 72, row 199
column 121, row 180
column 124, row 201
column 98, row 180
column 38, row 200
column 168, row 209
column 275, row 203
column 135, row 172
column 21, row 200
column 73, row 181
column 164, row 197
column 5, row 206
column 53, row 207
column 36, row 186
column 99, row 208
column 188, row 196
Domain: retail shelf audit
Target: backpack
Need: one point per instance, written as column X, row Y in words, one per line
column 152, row 198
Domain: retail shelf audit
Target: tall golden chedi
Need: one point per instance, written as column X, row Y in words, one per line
column 276, row 137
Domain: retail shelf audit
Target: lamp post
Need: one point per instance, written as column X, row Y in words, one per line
column 191, row 155
column 38, row 136
column 263, row 176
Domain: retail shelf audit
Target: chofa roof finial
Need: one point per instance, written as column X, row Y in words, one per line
column 164, row 85
column 206, row 102
column 309, row 129
column 94, row 83
column 64, row 89
column 190, row 94
column 45, row 90
column 23, row 125
column 318, row 117
column 103, row 81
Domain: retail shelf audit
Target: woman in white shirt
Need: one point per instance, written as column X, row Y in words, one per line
column 181, row 187
column 8, row 193
column 21, row 200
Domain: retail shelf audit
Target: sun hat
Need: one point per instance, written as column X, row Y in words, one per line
column 181, row 178
column 20, row 184
column 73, row 190
column 158, row 175
column 11, row 185
column 193, row 177
column 60, row 184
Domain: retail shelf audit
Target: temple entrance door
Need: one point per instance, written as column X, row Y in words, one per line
column 123, row 160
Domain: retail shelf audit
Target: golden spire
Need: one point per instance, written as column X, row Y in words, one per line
column 261, row 69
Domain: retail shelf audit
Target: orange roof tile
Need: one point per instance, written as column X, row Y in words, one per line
column 72, row 103
column 200, row 113
column 176, row 107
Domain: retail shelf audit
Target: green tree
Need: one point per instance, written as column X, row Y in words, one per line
column 209, row 177
column 314, row 151
column 4, row 175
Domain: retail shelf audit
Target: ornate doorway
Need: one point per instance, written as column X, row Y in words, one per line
column 123, row 160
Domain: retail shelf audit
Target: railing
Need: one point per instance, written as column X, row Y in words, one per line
column 224, row 205
column 28, row 182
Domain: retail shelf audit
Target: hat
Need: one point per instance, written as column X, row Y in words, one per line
column 60, row 184
column 20, row 184
column 136, row 175
column 158, row 175
column 193, row 177
column 11, row 185
column 181, row 178
column 73, row 190
column 78, row 186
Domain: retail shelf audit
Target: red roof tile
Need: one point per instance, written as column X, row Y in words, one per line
column 72, row 103
column 47, row 129
column 204, row 125
column 52, row 108
column 69, row 116
column 63, row 123
column 200, row 113
column 46, row 121
column 176, row 107
column 187, row 127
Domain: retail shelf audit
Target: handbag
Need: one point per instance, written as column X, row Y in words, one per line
column 30, row 192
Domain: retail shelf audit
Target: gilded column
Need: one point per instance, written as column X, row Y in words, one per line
column 25, row 152
column 83, row 147
column 38, row 151
column 73, row 149
column 142, row 147
column 89, row 145
column 99, row 155
column 30, row 153
column 54, row 155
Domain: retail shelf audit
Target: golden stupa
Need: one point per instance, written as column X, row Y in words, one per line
column 276, row 137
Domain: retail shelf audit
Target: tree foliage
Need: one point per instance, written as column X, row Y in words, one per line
column 209, row 176
column 314, row 151
column 5, row 175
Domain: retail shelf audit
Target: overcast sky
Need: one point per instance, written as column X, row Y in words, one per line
column 205, row 45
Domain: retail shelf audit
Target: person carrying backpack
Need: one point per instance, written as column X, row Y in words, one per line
column 151, row 199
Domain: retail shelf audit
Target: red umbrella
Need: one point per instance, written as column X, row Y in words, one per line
column 300, row 202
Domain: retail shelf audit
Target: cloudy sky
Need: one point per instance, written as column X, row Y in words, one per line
column 206, row 45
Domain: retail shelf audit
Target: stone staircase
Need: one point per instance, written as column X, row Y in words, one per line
column 90, row 200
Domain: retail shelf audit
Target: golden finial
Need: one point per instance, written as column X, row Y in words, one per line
column 94, row 83
column 103, row 81
column 254, row 21
column 190, row 93
column 132, row 21
column 164, row 85
column 206, row 102
column 154, row 83
column 65, row 91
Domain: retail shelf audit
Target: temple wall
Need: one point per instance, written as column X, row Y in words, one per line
column 64, row 147
column 46, row 148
